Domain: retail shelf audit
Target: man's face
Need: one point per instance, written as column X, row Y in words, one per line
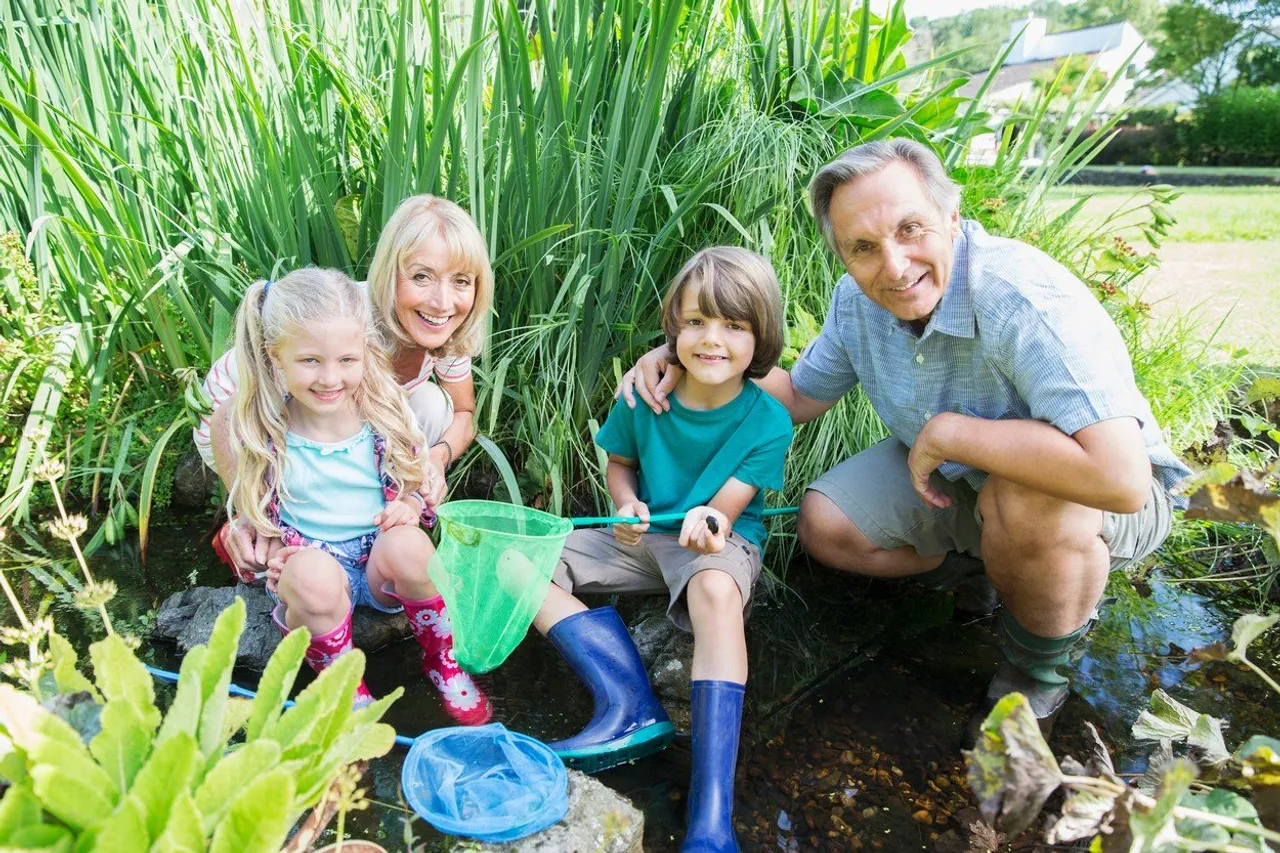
column 894, row 242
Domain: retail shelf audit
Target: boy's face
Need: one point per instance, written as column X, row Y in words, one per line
column 713, row 350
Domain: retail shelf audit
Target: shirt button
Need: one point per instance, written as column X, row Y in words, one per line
column 920, row 358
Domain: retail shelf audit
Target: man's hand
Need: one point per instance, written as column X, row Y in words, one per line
column 629, row 534
column 275, row 565
column 653, row 377
column 696, row 533
column 925, row 457
column 397, row 513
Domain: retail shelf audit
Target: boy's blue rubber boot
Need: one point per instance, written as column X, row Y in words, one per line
column 628, row 722
column 717, row 716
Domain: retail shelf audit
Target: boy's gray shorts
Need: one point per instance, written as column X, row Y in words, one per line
column 595, row 562
column 873, row 488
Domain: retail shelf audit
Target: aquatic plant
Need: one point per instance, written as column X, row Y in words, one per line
column 94, row 764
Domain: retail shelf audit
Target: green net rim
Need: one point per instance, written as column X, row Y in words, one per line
column 559, row 526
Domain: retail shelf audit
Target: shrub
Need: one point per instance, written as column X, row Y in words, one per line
column 1238, row 127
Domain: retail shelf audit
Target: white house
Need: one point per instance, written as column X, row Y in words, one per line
column 1114, row 49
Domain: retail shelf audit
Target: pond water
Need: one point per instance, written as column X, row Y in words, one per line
column 858, row 698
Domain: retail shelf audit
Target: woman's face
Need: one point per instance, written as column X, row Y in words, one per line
column 434, row 296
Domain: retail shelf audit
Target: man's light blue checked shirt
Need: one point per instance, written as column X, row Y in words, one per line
column 1015, row 336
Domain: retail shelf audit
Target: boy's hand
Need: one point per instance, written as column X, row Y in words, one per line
column 629, row 534
column 396, row 513
column 275, row 565
column 697, row 533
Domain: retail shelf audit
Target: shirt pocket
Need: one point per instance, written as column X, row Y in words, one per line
column 993, row 411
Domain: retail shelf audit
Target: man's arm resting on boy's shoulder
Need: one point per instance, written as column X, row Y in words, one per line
column 725, row 507
column 801, row 407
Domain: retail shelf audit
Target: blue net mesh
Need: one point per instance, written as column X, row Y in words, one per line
column 485, row 782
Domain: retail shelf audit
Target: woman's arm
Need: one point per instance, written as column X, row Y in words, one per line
column 461, row 431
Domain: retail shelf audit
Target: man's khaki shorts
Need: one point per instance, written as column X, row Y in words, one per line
column 593, row 561
column 873, row 488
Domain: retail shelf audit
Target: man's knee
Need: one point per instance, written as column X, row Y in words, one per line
column 829, row 536
column 1020, row 524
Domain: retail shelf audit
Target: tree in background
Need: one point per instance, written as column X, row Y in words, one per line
column 1205, row 43
column 1259, row 65
column 1068, row 75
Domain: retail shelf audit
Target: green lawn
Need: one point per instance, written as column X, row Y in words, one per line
column 1204, row 214
column 1220, row 264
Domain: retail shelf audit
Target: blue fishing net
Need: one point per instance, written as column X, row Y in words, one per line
column 485, row 782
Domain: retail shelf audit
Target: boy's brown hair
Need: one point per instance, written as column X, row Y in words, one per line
column 733, row 284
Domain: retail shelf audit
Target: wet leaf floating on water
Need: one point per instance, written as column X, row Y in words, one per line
column 1084, row 814
column 1166, row 718
column 1011, row 770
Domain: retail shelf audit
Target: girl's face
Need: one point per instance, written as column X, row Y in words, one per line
column 713, row 350
column 434, row 296
column 323, row 365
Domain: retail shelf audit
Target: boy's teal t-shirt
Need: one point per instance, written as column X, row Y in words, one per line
column 686, row 455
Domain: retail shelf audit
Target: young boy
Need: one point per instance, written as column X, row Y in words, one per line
column 723, row 441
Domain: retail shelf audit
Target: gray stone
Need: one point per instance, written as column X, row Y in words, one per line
column 652, row 635
column 671, row 671
column 599, row 821
column 194, row 484
column 187, row 619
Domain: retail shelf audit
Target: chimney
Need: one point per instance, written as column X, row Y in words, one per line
column 1026, row 34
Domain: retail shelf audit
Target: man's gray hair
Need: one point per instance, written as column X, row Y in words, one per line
column 871, row 157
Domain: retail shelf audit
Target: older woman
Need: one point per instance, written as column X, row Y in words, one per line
column 431, row 288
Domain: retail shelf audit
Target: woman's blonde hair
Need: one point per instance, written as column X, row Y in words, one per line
column 416, row 220
column 270, row 313
column 735, row 284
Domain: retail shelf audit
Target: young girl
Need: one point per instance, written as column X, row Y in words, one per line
column 431, row 290
column 722, row 442
column 328, row 465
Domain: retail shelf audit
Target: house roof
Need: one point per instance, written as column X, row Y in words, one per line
column 1075, row 42
column 1009, row 75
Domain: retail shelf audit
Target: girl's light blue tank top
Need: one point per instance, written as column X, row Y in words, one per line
column 333, row 489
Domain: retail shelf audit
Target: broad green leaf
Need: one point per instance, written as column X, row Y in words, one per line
column 121, row 676
column 13, row 762
column 1248, row 628
column 231, row 776
column 366, row 741
column 237, row 714
column 1223, row 803
column 124, row 830
column 215, row 677
column 66, row 676
column 166, row 775
column 329, row 695
column 1152, row 827
column 183, row 833
column 183, row 716
column 1206, row 741
column 259, row 819
column 277, row 682
column 1166, row 718
column 18, row 808
column 1259, row 759
column 65, row 777
column 46, row 838
column 124, row 742
column 1011, row 770
column 1267, row 388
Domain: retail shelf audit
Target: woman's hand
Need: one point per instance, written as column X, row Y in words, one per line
column 696, row 533
column 397, row 513
column 629, row 534
column 433, row 485
column 248, row 549
column 653, row 377
column 275, row 564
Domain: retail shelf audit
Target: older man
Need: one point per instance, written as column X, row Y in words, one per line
column 1020, row 442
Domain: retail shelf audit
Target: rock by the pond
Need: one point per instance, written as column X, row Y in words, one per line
column 599, row 820
column 193, row 483
column 187, row 619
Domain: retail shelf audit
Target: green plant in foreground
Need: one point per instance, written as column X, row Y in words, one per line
column 95, row 765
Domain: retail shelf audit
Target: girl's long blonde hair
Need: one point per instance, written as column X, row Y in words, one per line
column 417, row 219
column 260, row 418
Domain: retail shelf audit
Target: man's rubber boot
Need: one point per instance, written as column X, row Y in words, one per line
column 717, row 718
column 1033, row 667
column 628, row 722
column 965, row 577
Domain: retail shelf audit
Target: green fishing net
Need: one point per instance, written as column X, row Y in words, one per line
column 493, row 566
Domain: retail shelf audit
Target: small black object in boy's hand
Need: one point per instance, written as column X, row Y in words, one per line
column 713, row 525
